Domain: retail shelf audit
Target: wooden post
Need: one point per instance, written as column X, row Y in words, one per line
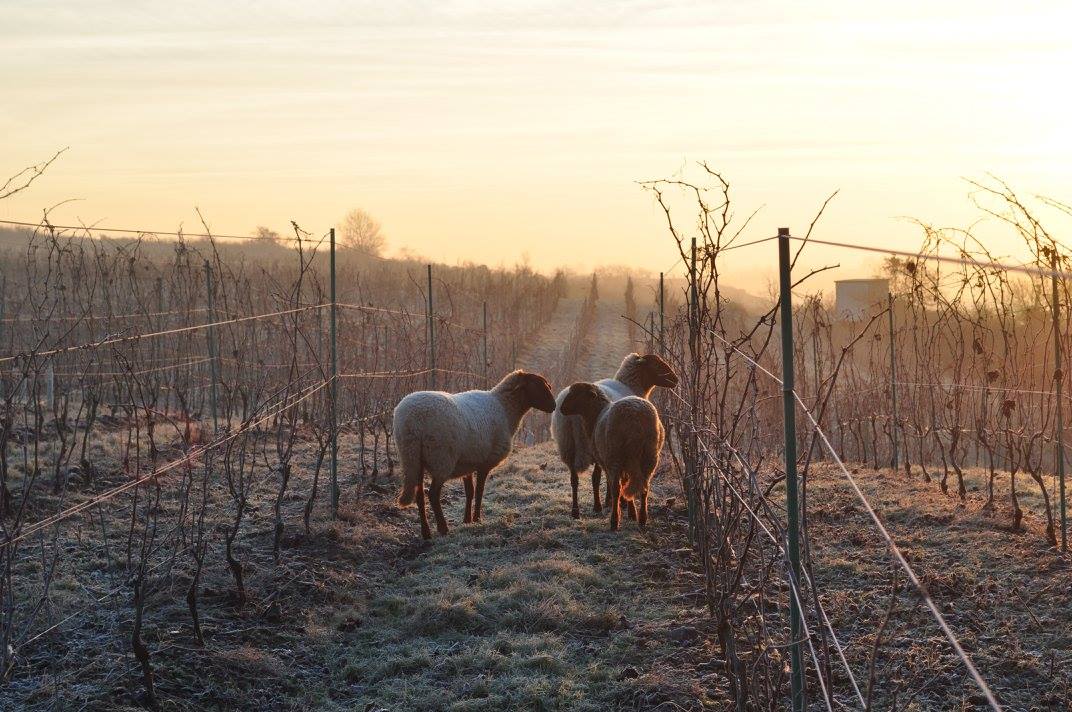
column 319, row 356
column 485, row 345
column 792, row 503
column 894, row 442
column 662, row 314
column 334, row 387
column 1059, row 377
column 692, row 470
column 160, row 320
column 431, row 332
column 213, row 356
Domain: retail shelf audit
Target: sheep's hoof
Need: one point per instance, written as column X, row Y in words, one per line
column 597, row 509
column 576, row 513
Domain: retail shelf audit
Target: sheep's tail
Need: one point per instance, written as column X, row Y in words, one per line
column 635, row 485
column 574, row 447
column 412, row 473
column 641, row 466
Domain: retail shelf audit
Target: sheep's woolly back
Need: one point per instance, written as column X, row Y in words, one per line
column 628, row 436
column 574, row 446
column 568, row 431
column 450, row 435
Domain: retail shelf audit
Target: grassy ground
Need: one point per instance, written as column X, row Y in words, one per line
column 1006, row 595
column 532, row 610
column 528, row 610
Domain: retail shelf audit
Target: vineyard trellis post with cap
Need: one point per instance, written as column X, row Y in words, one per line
column 431, row 333
column 662, row 313
column 894, row 442
column 485, row 344
column 692, row 464
column 334, row 389
column 213, row 356
column 161, row 320
column 792, row 506
column 1059, row 377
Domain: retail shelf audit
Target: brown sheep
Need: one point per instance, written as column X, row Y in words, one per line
column 637, row 376
column 627, row 436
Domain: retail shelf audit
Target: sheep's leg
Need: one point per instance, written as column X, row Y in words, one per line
column 598, row 503
column 481, row 478
column 642, row 513
column 631, row 508
column 426, row 532
column 437, row 507
column 615, row 508
column 468, row 480
column 576, row 511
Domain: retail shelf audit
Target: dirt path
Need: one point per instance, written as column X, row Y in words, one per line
column 607, row 343
column 602, row 351
column 531, row 609
column 543, row 354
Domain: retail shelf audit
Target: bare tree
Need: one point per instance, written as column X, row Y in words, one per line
column 267, row 235
column 361, row 231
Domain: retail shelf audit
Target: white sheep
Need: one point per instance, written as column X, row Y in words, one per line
column 459, row 435
column 627, row 436
column 637, row 376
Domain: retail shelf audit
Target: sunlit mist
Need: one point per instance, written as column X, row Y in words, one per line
column 491, row 133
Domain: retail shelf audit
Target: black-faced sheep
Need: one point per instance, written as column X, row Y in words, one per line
column 461, row 435
column 627, row 436
column 637, row 376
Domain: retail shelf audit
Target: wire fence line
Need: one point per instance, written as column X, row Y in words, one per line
column 895, row 550
column 145, row 232
column 109, row 317
column 779, row 541
column 960, row 366
column 224, row 401
column 108, row 341
column 965, row 261
column 790, row 578
column 32, row 528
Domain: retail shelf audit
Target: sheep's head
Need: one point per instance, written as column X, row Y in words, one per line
column 583, row 398
column 534, row 389
column 656, row 371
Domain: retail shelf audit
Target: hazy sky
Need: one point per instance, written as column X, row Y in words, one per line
column 486, row 131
